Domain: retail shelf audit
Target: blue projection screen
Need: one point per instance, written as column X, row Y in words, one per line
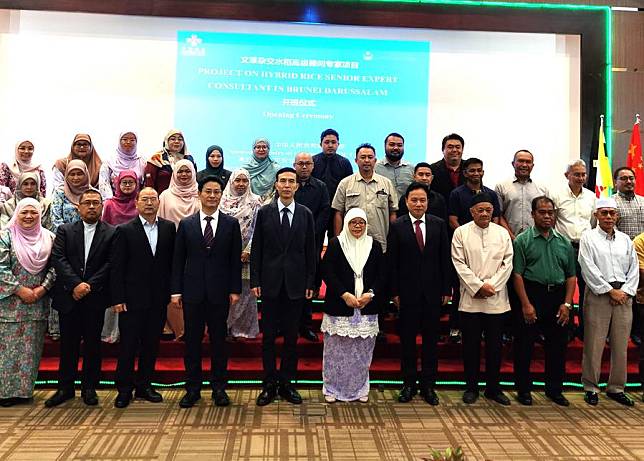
column 287, row 88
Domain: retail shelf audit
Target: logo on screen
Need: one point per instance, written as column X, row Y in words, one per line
column 192, row 48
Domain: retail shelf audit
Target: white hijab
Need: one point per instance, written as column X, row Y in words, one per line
column 356, row 250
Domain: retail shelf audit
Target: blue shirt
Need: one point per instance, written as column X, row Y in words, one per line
column 460, row 202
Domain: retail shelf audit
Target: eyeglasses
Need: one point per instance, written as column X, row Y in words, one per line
column 357, row 223
column 82, row 145
column 303, row 163
column 127, row 183
column 91, row 203
column 175, row 138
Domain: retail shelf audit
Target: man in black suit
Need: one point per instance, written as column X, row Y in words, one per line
column 436, row 205
column 282, row 273
column 141, row 292
column 206, row 281
column 418, row 253
column 82, row 256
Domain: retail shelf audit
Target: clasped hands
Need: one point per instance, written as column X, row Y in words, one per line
column 81, row 290
column 30, row 295
column 355, row 302
column 617, row 297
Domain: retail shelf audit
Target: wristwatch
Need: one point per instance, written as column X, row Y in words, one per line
column 568, row 305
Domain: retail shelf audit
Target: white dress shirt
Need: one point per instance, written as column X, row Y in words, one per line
column 482, row 255
column 213, row 223
column 88, row 233
column 573, row 212
column 604, row 259
column 151, row 232
column 290, row 208
column 422, row 225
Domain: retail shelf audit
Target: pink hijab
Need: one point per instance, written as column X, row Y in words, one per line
column 121, row 208
column 32, row 246
column 180, row 201
column 18, row 166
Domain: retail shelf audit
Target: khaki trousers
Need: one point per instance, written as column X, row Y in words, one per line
column 599, row 315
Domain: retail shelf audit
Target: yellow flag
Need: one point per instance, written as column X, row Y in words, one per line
column 603, row 178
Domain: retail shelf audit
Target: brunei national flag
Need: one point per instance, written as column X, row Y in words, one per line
column 603, row 178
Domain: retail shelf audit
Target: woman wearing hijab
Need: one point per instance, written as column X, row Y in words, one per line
column 125, row 158
column 215, row 165
column 118, row 210
column 28, row 185
column 262, row 169
column 158, row 170
column 82, row 149
column 64, row 203
column 25, row 278
column 239, row 202
column 353, row 269
column 10, row 173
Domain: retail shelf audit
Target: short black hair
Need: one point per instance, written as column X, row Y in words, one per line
column 522, row 150
column 286, row 169
column 471, row 161
column 396, row 135
column 452, row 136
column 541, row 198
column 211, row 178
column 91, row 190
column 422, row 165
column 415, row 186
column 622, row 168
column 329, row 132
column 365, row 145
column 138, row 194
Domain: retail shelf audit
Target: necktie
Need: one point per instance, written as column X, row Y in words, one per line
column 419, row 235
column 286, row 226
column 208, row 236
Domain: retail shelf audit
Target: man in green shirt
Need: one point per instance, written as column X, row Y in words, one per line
column 544, row 279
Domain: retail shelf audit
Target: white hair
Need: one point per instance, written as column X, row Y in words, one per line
column 574, row 163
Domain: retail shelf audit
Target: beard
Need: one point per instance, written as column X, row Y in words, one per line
column 394, row 156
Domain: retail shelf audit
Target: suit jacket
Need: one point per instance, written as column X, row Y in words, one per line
column 273, row 263
column 442, row 182
column 68, row 256
column 201, row 275
column 139, row 278
column 415, row 275
column 339, row 278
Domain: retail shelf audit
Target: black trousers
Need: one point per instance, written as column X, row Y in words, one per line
column 472, row 325
column 83, row 323
column 283, row 313
column 423, row 318
column 556, row 338
column 581, row 284
column 140, row 332
column 306, row 321
column 196, row 317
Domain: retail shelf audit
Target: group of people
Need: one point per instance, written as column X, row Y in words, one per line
column 128, row 248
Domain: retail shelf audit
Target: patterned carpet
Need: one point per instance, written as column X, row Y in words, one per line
column 382, row 429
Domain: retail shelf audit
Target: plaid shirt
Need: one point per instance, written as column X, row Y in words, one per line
column 631, row 214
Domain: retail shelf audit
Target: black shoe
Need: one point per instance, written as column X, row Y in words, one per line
column 591, row 398
column 148, row 394
column 309, row 335
column 620, row 397
column 189, row 400
column 470, row 396
column 524, row 398
column 506, row 338
column 288, row 393
column 220, row 398
column 429, row 395
column 455, row 336
column 9, row 402
column 559, row 399
column 498, row 397
column 59, row 397
column 381, row 338
column 268, row 394
column 406, row 394
column 89, row 397
column 636, row 340
column 122, row 399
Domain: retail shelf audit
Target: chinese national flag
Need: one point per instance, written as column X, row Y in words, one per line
column 634, row 158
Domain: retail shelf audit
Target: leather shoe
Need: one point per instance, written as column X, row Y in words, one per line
column 189, row 400
column 406, row 394
column 620, row 397
column 148, row 394
column 559, row 399
column 89, row 397
column 288, row 393
column 59, row 397
column 267, row 395
column 591, row 398
column 524, row 398
column 470, row 396
column 309, row 335
column 498, row 397
column 220, row 398
column 429, row 395
column 122, row 399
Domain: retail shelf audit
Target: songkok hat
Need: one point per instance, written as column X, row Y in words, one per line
column 480, row 198
column 605, row 202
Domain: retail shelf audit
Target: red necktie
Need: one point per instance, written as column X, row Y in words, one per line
column 419, row 235
column 208, row 236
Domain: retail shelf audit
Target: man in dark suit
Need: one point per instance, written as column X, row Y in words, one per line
column 82, row 256
column 436, row 205
column 282, row 273
column 206, row 281
column 140, row 282
column 418, row 253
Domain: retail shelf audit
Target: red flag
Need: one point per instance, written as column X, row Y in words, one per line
column 634, row 158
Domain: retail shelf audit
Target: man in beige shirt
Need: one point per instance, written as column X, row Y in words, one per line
column 482, row 255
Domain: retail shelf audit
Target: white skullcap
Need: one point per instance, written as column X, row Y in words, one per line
column 605, row 202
